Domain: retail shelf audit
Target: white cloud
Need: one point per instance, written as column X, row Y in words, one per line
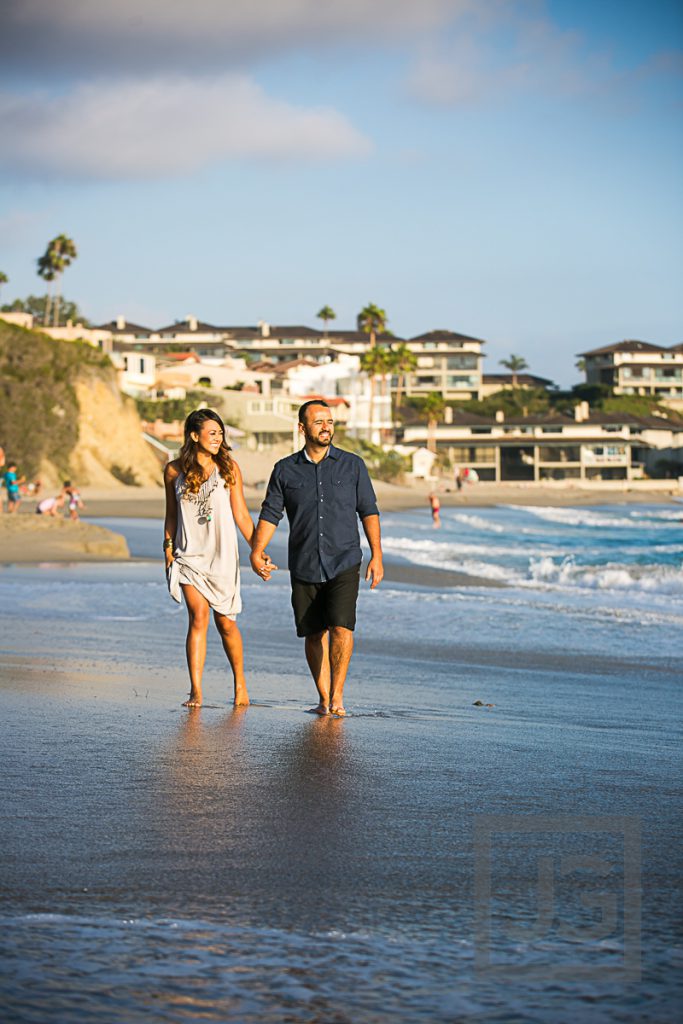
column 164, row 126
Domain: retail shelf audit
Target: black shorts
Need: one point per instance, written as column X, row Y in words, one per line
column 317, row 606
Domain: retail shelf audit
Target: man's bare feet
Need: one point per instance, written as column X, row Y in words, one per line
column 241, row 698
column 319, row 709
column 339, row 711
column 193, row 701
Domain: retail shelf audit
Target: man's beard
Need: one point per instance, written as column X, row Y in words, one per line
column 321, row 443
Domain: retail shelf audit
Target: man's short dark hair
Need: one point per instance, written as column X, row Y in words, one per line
column 307, row 405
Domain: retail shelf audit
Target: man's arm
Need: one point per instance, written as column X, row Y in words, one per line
column 272, row 511
column 375, row 569
column 261, row 539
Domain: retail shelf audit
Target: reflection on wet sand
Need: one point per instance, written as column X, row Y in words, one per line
column 246, row 814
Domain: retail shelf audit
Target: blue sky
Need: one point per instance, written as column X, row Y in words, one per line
column 509, row 169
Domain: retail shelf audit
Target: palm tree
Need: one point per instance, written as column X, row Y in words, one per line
column 403, row 362
column 514, row 364
column 64, row 252
column 3, row 278
column 434, row 406
column 373, row 321
column 373, row 362
column 46, row 270
column 325, row 314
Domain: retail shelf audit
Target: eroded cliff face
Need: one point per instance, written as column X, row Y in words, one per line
column 109, row 435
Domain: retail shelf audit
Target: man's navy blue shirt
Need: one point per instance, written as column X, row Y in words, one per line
column 323, row 501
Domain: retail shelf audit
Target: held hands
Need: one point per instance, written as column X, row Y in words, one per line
column 375, row 571
column 262, row 565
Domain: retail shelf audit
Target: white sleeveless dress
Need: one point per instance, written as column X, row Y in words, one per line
column 205, row 550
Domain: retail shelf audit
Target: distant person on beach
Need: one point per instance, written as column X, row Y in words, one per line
column 323, row 490
column 74, row 499
column 458, row 478
column 50, row 506
column 204, row 503
column 435, row 505
column 13, row 483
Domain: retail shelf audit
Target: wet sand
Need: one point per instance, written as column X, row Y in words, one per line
column 262, row 865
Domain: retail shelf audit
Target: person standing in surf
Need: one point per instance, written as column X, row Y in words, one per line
column 324, row 491
column 204, row 505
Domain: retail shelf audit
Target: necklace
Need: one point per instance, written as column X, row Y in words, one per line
column 202, row 499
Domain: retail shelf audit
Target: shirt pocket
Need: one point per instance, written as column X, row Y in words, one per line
column 295, row 492
column 344, row 492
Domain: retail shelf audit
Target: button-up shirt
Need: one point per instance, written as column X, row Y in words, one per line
column 323, row 501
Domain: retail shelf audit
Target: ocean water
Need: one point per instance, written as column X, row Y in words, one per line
column 427, row 859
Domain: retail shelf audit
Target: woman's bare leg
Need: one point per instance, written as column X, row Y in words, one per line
column 232, row 645
column 195, row 644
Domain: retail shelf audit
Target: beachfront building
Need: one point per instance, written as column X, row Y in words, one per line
column 637, row 368
column 592, row 446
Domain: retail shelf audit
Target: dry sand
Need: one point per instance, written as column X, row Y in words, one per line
column 32, row 538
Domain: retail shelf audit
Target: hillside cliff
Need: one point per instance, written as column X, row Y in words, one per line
column 62, row 414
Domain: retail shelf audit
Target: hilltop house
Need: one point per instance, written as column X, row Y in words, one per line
column 638, row 368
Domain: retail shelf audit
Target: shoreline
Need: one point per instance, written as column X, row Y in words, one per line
column 26, row 538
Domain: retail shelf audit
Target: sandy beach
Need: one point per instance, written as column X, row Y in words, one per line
column 263, row 864
column 43, row 539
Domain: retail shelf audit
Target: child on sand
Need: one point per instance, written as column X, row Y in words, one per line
column 74, row 499
column 12, row 483
column 50, row 506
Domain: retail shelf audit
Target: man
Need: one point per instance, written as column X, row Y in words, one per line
column 323, row 490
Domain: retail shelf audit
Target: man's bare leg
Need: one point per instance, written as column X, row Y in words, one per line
column 195, row 644
column 317, row 647
column 232, row 645
column 341, row 649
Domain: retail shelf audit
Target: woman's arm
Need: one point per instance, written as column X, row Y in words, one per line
column 239, row 508
column 171, row 518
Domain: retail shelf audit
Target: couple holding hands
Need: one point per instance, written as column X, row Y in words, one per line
column 323, row 490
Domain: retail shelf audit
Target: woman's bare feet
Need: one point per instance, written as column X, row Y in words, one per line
column 241, row 697
column 193, row 701
column 339, row 711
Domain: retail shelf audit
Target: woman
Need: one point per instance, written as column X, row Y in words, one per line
column 204, row 501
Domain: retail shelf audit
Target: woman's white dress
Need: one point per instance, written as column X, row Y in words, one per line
column 205, row 551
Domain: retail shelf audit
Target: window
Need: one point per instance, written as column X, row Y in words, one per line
column 552, row 430
column 560, row 453
column 142, row 366
column 461, row 362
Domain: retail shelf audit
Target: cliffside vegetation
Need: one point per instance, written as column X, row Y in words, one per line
column 39, row 411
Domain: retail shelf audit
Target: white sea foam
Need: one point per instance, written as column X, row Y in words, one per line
column 611, row 576
column 673, row 515
column 478, row 522
column 578, row 516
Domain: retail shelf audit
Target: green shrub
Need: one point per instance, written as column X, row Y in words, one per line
column 38, row 407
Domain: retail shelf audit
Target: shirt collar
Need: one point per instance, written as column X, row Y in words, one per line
column 332, row 453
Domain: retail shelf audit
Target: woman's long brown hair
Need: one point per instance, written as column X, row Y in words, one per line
column 188, row 453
